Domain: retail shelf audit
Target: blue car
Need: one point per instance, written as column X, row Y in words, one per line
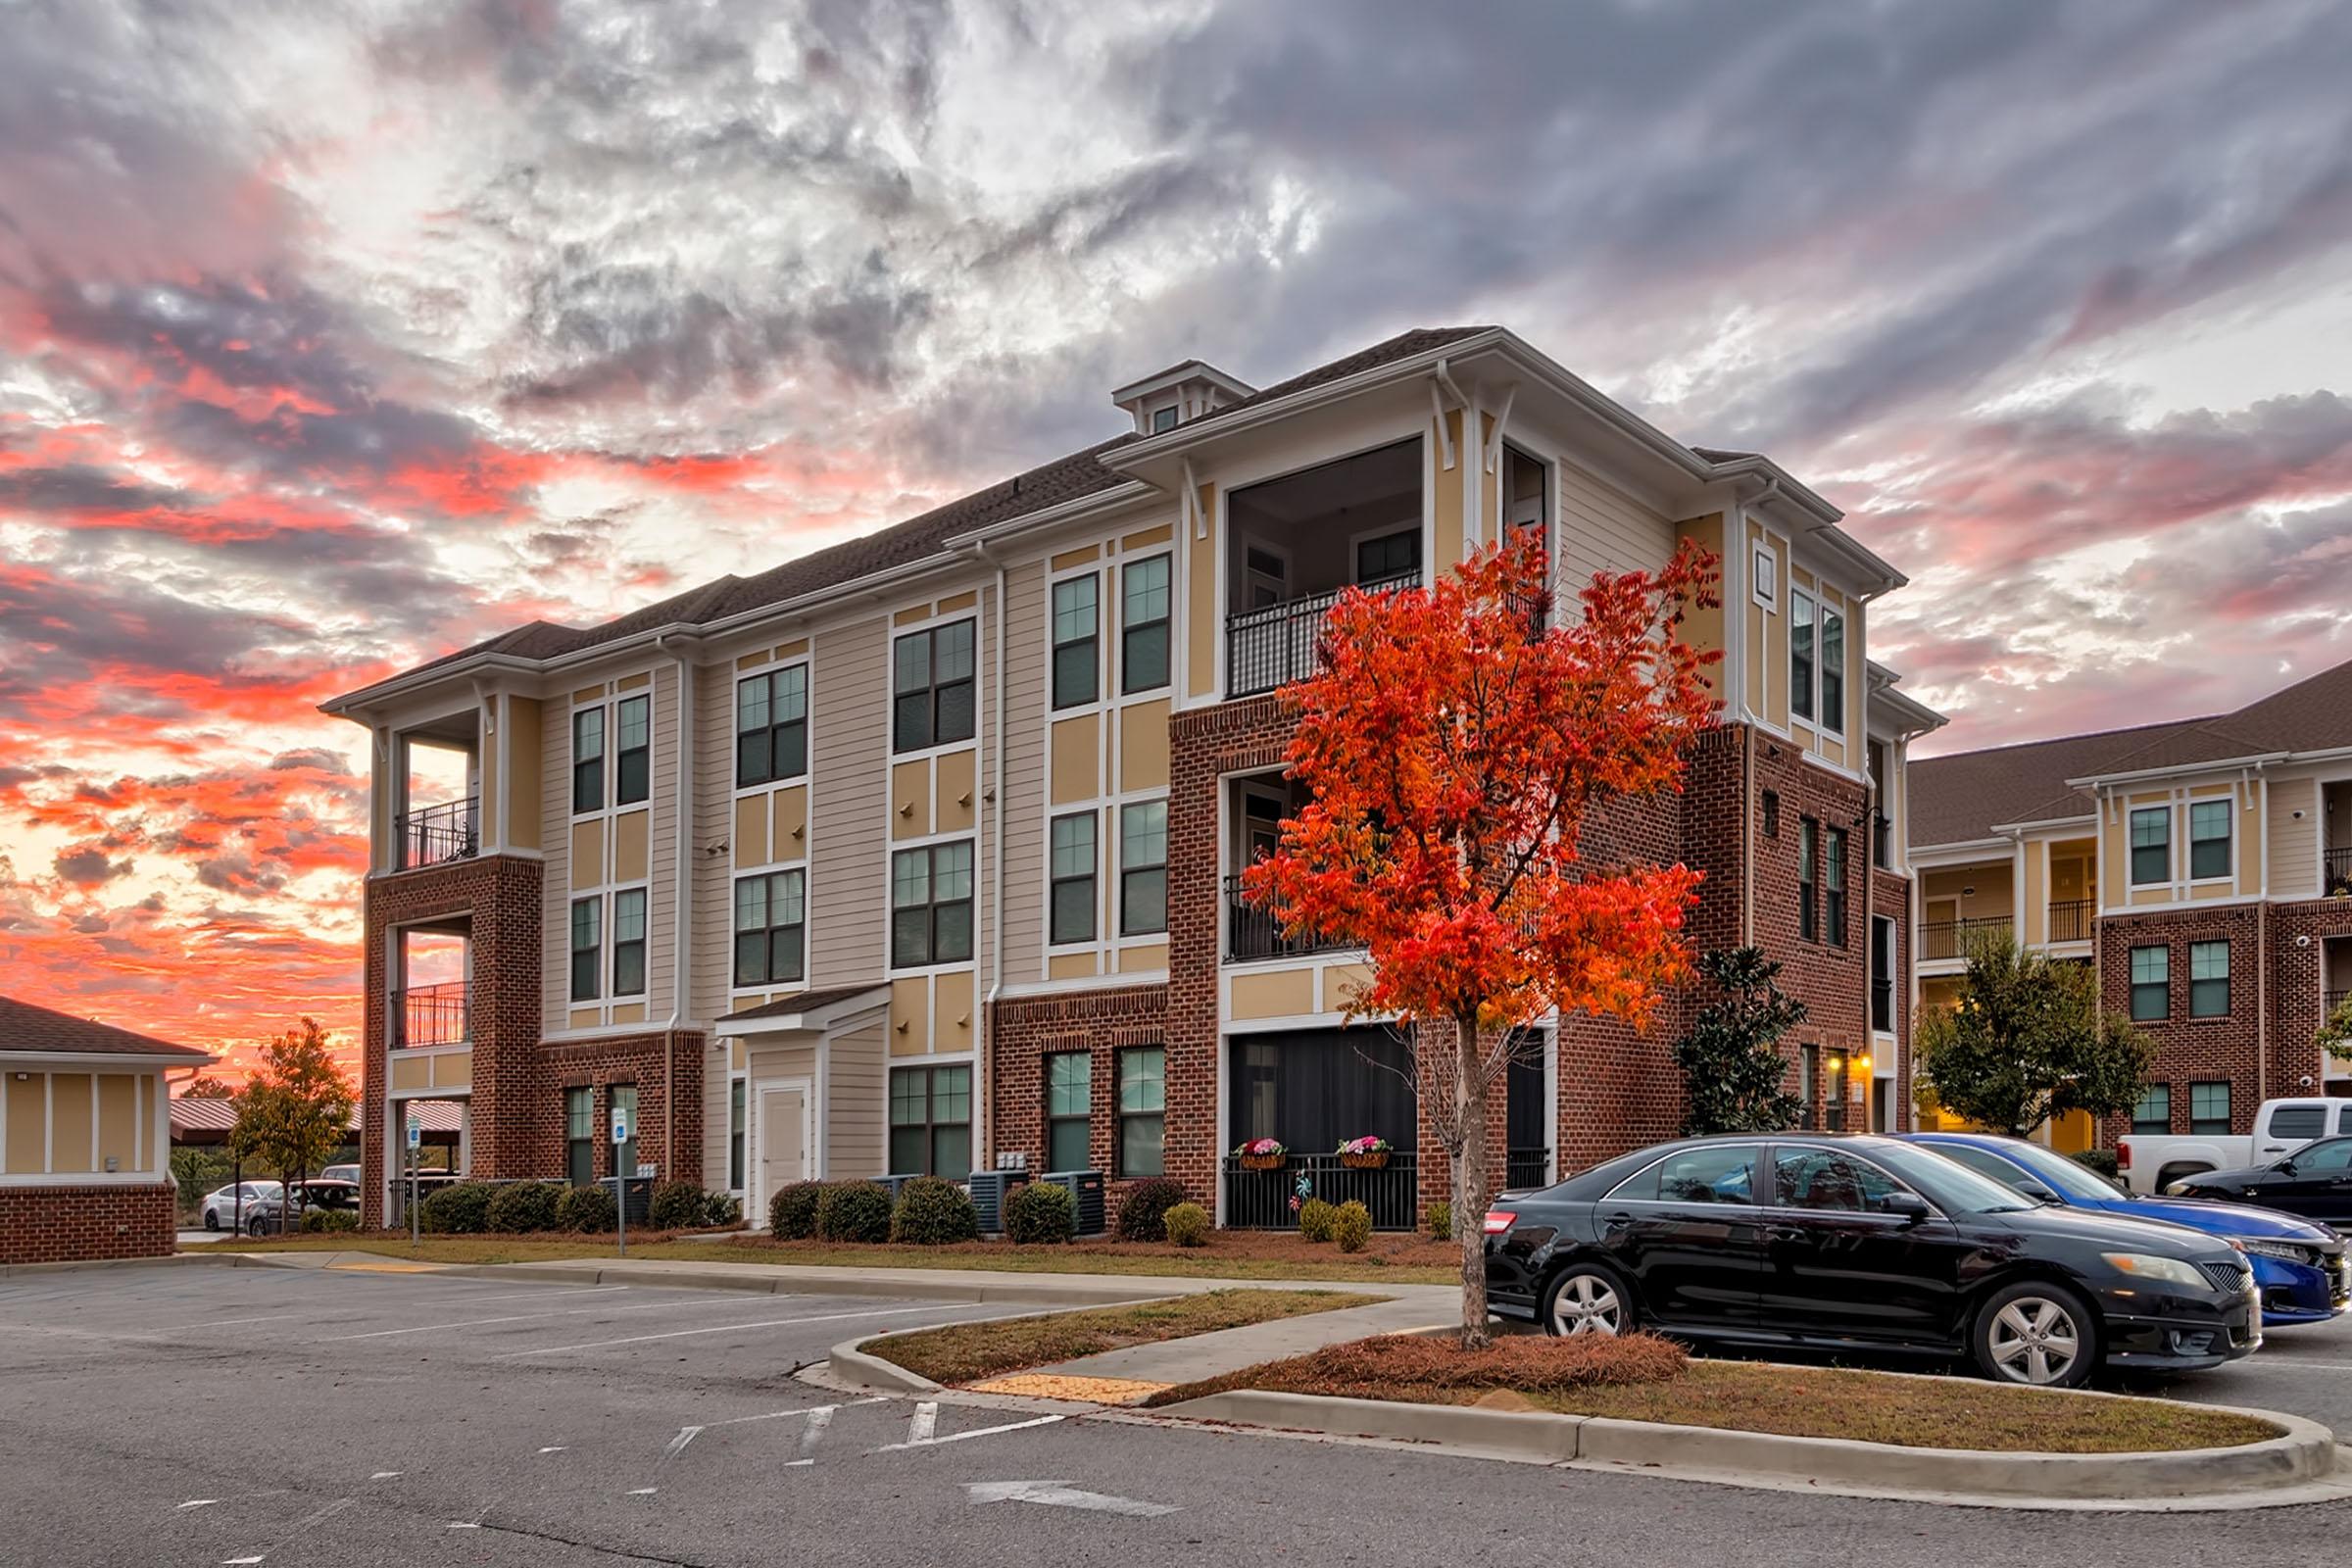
column 2299, row 1265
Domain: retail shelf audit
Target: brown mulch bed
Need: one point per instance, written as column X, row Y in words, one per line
column 962, row 1352
column 1426, row 1369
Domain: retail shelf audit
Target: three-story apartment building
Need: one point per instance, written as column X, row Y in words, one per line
column 916, row 854
column 2204, row 866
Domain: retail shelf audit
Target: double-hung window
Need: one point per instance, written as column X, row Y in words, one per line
column 1142, row 1111
column 1073, row 877
column 1833, row 886
column 2209, row 979
column 587, row 947
column 628, row 942
column 2151, row 845
column 1145, row 612
column 1800, row 655
column 1808, row 855
column 622, row 1106
column 931, row 1122
column 2209, row 1109
column 2207, row 839
column 932, row 686
column 771, row 726
column 2151, row 984
column 1391, row 556
column 1144, row 868
column 579, row 1136
column 1075, row 656
column 931, row 905
column 770, row 927
column 1833, row 670
column 633, row 759
column 588, row 759
column 1069, row 1105
column 2153, row 1115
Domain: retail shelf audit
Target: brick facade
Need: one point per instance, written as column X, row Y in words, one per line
column 1024, row 1031
column 82, row 1224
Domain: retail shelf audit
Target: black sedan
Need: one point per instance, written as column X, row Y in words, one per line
column 2314, row 1182
column 1857, row 1243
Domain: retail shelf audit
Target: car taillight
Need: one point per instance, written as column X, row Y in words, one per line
column 1498, row 1220
column 2123, row 1153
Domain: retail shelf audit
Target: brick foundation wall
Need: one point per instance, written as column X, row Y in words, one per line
column 82, row 1224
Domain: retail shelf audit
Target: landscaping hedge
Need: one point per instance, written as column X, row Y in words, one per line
column 853, row 1211
column 1144, row 1216
column 1040, row 1213
column 934, row 1212
column 587, row 1209
column 679, row 1207
column 1351, row 1227
column 1316, row 1218
column 1188, row 1224
column 461, row 1209
column 331, row 1219
column 791, row 1213
column 525, row 1206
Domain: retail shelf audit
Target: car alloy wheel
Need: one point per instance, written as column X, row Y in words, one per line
column 1585, row 1304
column 212, row 1221
column 2034, row 1340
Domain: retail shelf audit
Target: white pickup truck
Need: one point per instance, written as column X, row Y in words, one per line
column 2146, row 1161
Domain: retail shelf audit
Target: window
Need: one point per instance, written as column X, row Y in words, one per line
column 1767, row 576
column 735, row 1132
column 931, row 681
column 2208, row 1109
column 931, row 905
column 579, row 1136
column 1834, row 883
column 2151, row 845
column 588, row 761
column 1832, row 671
column 1882, row 827
column 1800, row 655
column 2151, row 984
column 1771, row 814
column 2207, row 839
column 1144, row 868
column 931, row 1122
column 2209, row 979
column 1069, row 1102
column 1392, row 554
column 1881, row 975
column 1164, row 419
column 587, row 947
column 770, row 927
column 1713, row 1173
column 771, row 726
column 633, row 767
column 2299, row 1121
column 628, row 942
column 2333, row 1154
column 1074, row 653
column 1821, row 1179
column 2153, row 1115
column 624, row 1098
column 1808, row 909
column 1142, row 1111
column 1072, row 876
column 1145, row 610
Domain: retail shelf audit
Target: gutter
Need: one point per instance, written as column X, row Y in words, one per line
column 985, row 1143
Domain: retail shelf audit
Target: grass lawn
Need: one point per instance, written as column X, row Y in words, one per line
column 1654, row 1384
column 964, row 1352
column 1390, row 1259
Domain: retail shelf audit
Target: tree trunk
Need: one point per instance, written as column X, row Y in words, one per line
column 1469, row 1179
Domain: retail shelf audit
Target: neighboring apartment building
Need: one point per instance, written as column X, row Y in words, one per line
column 2204, row 866
column 916, row 853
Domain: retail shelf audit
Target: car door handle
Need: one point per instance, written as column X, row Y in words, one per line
column 1617, row 1221
column 1784, row 1233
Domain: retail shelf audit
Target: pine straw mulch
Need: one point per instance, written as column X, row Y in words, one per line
column 964, row 1352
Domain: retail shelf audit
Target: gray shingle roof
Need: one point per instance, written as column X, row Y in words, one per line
column 27, row 1028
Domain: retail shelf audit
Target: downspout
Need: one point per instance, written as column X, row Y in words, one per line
column 1747, row 835
column 2262, row 954
column 995, row 913
column 683, row 912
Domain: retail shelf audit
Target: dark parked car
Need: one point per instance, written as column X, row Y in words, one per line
column 2315, row 1182
column 1863, row 1242
column 2298, row 1263
column 270, row 1214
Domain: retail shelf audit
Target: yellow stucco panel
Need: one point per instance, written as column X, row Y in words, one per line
column 1075, row 771
column 27, row 1120
column 911, row 613
column 1144, row 958
column 1273, row 994
column 789, row 838
column 70, row 1098
column 751, row 831
column 1079, row 557
column 956, row 807
column 793, row 648
column 1201, row 596
column 583, row 1018
column 631, row 846
column 754, row 660
column 1071, row 966
column 411, row 1071
column 452, row 1069
column 629, row 1013
column 1146, row 538
column 1446, row 500
column 1342, row 983
column 525, row 817
column 118, row 1120
column 1143, row 746
column 1703, row 624
column 955, row 602
column 909, row 800
column 911, row 1016
column 586, row 695
column 955, row 1017
column 587, row 854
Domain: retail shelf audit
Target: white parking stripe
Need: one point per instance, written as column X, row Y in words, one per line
column 921, row 1424
column 961, row 1436
column 515, row 1317
column 723, row 1328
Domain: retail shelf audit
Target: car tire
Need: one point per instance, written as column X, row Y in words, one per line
column 1587, row 1298
column 212, row 1221
column 2038, row 1334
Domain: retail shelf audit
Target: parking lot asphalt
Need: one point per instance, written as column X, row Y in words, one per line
column 251, row 1416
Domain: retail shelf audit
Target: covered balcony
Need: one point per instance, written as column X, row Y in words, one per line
column 1298, row 542
column 2336, row 863
column 1940, row 940
column 430, row 1002
column 1255, row 807
column 437, row 810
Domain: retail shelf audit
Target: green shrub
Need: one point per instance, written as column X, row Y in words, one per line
column 1314, row 1219
column 853, row 1211
column 1438, row 1220
column 1188, row 1224
column 678, row 1206
column 331, row 1219
column 791, row 1213
column 721, row 1208
column 461, row 1209
column 589, row 1211
column 2102, row 1161
column 1040, row 1212
column 1144, row 1216
column 525, row 1206
column 933, row 1212
column 1351, row 1227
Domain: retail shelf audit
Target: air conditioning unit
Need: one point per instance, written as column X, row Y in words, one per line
column 895, row 1183
column 1086, row 1197
column 989, row 1190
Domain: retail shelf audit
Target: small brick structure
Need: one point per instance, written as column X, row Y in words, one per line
column 83, row 1224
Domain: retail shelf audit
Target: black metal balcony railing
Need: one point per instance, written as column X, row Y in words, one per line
column 1525, row 1169
column 1272, row 646
column 2330, row 1000
column 1260, row 1200
column 432, row 834
column 430, row 1015
column 1252, row 931
column 1949, row 939
column 1882, row 1004
column 2070, row 918
column 2337, row 882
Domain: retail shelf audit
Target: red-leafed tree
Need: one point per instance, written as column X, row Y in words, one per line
column 1455, row 748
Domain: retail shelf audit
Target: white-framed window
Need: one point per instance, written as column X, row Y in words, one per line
column 587, row 948
column 1077, row 656
column 771, row 726
column 1764, row 575
column 1072, row 878
column 588, row 759
column 2151, row 845
column 633, row 756
column 931, row 905
column 770, row 927
column 1802, row 659
column 2209, row 840
column 1833, row 670
column 934, row 696
column 1145, row 609
column 629, row 942
column 1144, row 868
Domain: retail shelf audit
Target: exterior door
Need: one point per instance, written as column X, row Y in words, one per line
column 783, row 1141
column 1838, row 1265
column 1686, row 1233
column 2320, row 1187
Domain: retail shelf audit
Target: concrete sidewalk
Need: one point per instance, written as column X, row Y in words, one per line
column 1208, row 1355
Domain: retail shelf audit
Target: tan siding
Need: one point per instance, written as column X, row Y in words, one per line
column 713, row 875
column 1024, row 773
column 554, row 843
column 2294, row 848
column 855, row 1109
column 848, row 864
column 714, row 1115
column 1602, row 530
column 661, row 870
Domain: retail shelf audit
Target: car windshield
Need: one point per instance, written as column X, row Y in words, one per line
column 1951, row 1186
column 2059, row 1173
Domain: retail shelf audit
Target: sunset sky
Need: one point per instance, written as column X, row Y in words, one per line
column 333, row 337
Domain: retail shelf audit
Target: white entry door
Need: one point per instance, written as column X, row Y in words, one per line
column 783, row 1141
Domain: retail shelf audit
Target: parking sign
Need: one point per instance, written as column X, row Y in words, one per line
column 416, row 1132
column 620, row 1127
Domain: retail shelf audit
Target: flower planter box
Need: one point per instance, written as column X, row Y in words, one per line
column 1365, row 1161
column 1265, row 1161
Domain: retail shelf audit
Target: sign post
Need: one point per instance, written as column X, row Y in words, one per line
column 621, row 1181
column 415, row 1131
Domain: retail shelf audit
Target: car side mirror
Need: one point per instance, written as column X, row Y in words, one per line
column 2036, row 1192
column 1910, row 1208
column 2286, row 1166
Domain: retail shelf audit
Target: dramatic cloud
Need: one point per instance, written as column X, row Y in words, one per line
column 333, row 336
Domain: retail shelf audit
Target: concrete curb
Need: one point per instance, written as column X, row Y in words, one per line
column 2297, row 1466
column 10, row 1271
column 853, row 1365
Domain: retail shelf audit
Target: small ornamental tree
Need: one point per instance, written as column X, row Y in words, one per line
column 203, row 1086
column 1453, row 746
column 296, row 1109
column 1732, row 1070
column 2027, row 1040
column 2335, row 1032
